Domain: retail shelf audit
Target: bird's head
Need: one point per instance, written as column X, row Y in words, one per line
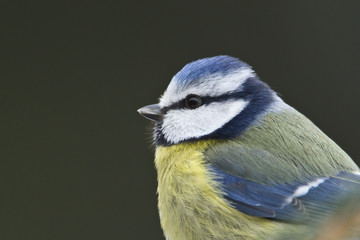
column 211, row 98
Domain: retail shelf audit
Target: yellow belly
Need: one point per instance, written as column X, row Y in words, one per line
column 191, row 205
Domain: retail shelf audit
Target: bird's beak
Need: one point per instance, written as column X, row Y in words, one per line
column 151, row 112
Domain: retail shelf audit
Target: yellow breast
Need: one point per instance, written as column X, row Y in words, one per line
column 190, row 203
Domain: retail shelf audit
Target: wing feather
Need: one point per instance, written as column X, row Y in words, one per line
column 294, row 201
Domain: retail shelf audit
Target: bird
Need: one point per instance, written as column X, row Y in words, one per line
column 234, row 161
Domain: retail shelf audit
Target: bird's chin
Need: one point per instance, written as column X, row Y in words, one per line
column 159, row 138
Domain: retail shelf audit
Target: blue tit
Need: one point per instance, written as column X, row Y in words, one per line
column 234, row 161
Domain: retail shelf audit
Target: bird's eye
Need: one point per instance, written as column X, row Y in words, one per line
column 193, row 101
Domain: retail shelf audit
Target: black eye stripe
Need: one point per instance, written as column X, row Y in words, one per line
column 207, row 100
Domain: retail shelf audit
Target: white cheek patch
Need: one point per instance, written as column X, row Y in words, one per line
column 182, row 124
column 213, row 85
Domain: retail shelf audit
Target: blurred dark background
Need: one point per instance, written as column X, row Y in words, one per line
column 76, row 160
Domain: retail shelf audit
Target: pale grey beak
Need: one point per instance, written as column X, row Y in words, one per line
column 151, row 112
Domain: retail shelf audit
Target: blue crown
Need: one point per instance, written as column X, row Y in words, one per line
column 207, row 66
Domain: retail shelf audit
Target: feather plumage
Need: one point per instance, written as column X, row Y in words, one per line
column 242, row 164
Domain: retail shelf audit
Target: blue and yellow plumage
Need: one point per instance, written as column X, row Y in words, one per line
column 236, row 162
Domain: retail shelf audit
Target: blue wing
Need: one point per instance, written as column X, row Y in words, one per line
column 287, row 202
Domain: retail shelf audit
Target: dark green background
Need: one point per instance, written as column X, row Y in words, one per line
column 76, row 159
